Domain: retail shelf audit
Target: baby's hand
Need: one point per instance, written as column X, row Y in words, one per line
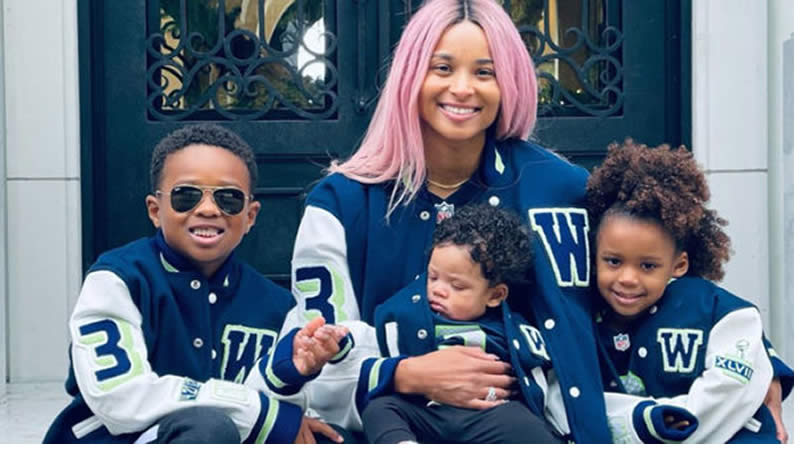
column 315, row 344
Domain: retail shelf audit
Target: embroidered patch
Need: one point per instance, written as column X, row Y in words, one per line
column 633, row 385
column 444, row 210
column 622, row 342
column 190, row 389
column 679, row 347
column 565, row 236
column 535, row 341
column 736, row 366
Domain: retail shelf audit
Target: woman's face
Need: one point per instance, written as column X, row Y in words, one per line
column 460, row 97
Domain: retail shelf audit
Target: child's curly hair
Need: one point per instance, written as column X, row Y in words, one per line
column 206, row 134
column 664, row 185
column 497, row 241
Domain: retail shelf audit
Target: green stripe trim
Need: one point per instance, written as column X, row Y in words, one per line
column 167, row 266
column 498, row 162
column 648, row 420
column 269, row 422
column 280, row 384
column 374, row 374
column 344, row 350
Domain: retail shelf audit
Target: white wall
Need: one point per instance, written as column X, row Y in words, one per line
column 739, row 136
column 729, row 130
column 43, row 184
column 781, row 164
column 3, row 209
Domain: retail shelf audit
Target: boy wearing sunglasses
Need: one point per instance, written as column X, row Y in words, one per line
column 166, row 328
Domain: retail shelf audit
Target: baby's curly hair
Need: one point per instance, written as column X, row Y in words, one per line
column 497, row 239
column 664, row 185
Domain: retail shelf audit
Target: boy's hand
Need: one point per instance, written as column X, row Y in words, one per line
column 315, row 344
column 310, row 426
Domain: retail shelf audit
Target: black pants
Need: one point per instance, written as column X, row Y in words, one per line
column 204, row 425
column 393, row 419
column 198, row 425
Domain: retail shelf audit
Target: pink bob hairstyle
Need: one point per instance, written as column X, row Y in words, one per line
column 392, row 148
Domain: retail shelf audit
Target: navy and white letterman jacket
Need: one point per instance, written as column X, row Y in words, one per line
column 405, row 325
column 348, row 259
column 699, row 347
column 151, row 335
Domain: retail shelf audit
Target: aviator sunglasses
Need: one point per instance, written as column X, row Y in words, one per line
column 185, row 197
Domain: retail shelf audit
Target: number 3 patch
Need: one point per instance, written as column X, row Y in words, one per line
column 115, row 359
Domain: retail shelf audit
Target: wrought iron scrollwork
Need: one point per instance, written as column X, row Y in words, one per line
column 239, row 75
column 579, row 62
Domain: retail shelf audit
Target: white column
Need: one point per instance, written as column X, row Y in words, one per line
column 780, row 65
column 43, row 184
column 781, row 164
column 729, row 132
column 738, row 135
column 3, row 212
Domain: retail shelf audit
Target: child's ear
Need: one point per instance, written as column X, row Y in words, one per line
column 153, row 208
column 681, row 265
column 497, row 294
column 252, row 211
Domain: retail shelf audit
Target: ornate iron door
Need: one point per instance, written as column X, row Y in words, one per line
column 298, row 79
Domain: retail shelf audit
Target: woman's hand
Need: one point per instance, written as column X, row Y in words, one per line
column 310, row 426
column 773, row 402
column 457, row 376
column 315, row 344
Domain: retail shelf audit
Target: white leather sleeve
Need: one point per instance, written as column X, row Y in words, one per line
column 728, row 392
column 321, row 285
column 115, row 378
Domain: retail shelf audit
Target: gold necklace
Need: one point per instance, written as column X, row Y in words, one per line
column 448, row 187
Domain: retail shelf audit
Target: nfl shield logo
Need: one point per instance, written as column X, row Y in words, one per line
column 444, row 210
column 622, row 342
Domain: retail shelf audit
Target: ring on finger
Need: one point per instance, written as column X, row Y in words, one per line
column 492, row 395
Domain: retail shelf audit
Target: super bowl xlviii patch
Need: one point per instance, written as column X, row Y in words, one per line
column 190, row 389
column 622, row 342
column 736, row 366
column 444, row 210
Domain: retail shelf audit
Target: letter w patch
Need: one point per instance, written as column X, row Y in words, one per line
column 565, row 234
column 679, row 348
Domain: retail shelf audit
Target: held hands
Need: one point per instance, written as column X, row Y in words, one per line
column 310, row 426
column 315, row 344
column 457, row 376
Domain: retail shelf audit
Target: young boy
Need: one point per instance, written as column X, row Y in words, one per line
column 668, row 336
column 166, row 328
column 478, row 255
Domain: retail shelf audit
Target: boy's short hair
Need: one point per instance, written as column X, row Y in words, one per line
column 206, row 134
column 498, row 241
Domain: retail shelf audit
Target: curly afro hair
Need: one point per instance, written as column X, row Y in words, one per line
column 497, row 241
column 206, row 134
column 666, row 186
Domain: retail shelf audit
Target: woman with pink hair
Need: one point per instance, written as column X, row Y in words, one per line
column 451, row 129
